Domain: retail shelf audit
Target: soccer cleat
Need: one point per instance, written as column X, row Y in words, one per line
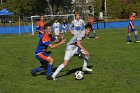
column 137, row 41
column 50, row 78
column 88, row 38
column 87, row 69
column 53, row 78
column 128, row 42
column 96, row 37
column 33, row 74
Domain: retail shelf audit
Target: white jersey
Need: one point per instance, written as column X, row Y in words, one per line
column 72, row 47
column 76, row 37
column 78, row 25
column 56, row 26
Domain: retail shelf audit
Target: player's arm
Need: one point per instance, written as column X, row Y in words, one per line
column 38, row 29
column 48, row 43
column 70, row 27
column 79, row 44
column 83, row 26
column 61, row 37
column 131, row 23
column 57, row 44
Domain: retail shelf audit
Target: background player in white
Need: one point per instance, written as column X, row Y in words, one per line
column 56, row 27
column 72, row 47
column 77, row 24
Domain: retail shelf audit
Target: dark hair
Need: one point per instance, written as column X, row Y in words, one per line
column 46, row 25
column 77, row 13
column 88, row 25
column 41, row 15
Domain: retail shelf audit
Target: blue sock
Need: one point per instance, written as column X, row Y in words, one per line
column 136, row 37
column 94, row 35
column 49, row 71
column 38, row 69
column 128, row 38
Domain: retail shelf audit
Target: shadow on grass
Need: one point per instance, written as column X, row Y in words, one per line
column 69, row 72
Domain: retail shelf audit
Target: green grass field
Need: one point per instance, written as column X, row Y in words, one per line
column 115, row 64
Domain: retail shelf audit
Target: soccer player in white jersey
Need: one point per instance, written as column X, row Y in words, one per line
column 77, row 24
column 56, row 27
column 72, row 47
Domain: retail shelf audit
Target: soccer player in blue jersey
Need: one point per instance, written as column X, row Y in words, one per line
column 41, row 52
column 131, row 28
column 91, row 21
column 40, row 26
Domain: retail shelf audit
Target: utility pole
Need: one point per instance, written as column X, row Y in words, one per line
column 105, row 3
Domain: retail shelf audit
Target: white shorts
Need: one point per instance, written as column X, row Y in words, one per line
column 56, row 31
column 70, row 51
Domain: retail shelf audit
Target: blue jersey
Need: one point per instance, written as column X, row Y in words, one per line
column 44, row 43
column 40, row 27
column 131, row 24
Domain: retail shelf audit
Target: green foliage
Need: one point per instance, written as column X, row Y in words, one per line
column 115, row 8
column 98, row 6
column 122, row 8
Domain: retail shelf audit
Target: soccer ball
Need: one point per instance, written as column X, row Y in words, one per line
column 79, row 75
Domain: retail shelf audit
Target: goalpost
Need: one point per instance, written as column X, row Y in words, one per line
column 68, row 17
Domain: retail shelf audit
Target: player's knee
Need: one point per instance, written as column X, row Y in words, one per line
column 136, row 32
column 65, row 63
column 50, row 60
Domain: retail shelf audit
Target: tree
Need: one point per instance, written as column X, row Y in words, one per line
column 114, row 8
column 97, row 6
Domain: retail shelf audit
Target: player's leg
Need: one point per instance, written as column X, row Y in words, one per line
column 50, row 65
column 37, row 69
column 46, row 58
column 60, row 67
column 129, row 35
column 85, row 68
column 56, row 33
column 94, row 33
column 65, row 30
column 62, row 30
column 88, row 35
column 45, row 66
column 68, row 55
column 136, row 36
column 86, row 61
